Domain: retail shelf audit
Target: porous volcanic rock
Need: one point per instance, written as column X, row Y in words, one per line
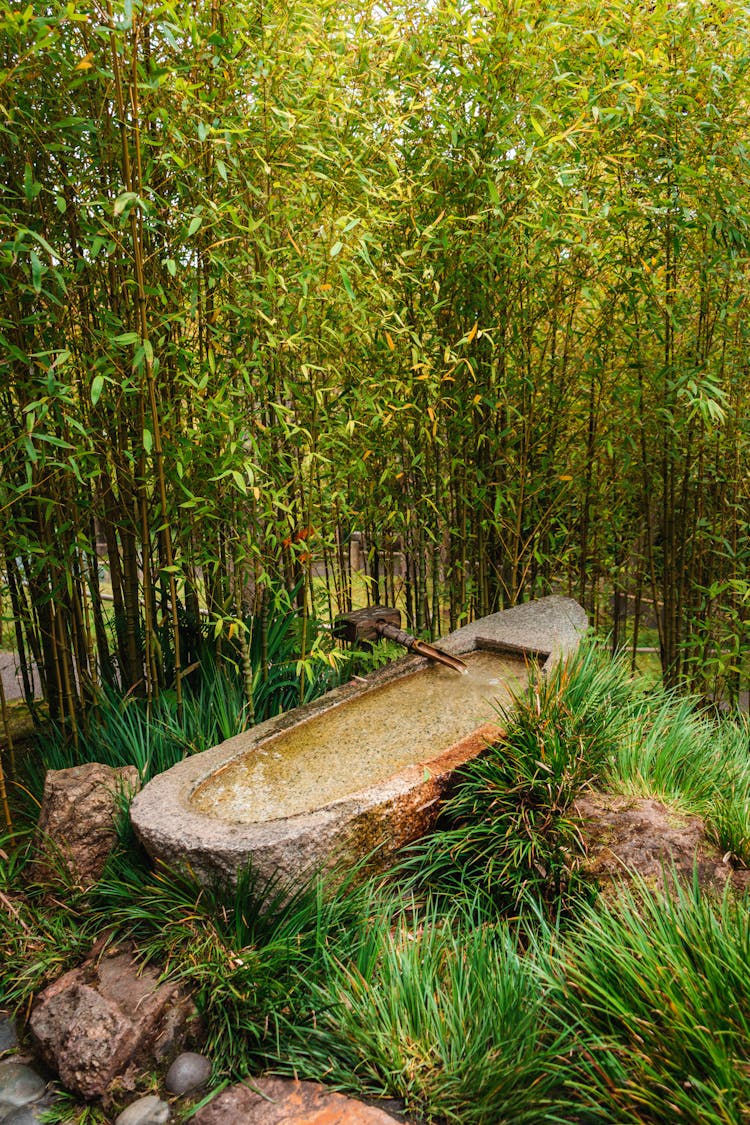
column 627, row 836
column 77, row 820
column 280, row 1101
column 98, row 1022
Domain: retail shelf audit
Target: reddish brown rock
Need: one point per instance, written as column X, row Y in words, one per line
column 77, row 820
column 98, row 1022
column 626, row 836
column 278, row 1101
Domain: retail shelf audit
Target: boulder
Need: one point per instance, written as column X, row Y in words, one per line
column 285, row 1101
column 626, row 837
column 77, row 822
column 100, row 1021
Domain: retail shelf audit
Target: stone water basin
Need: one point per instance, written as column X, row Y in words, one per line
column 405, row 722
column 364, row 767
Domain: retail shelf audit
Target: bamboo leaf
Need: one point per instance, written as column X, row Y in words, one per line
column 36, row 271
column 124, row 200
column 97, row 386
column 347, row 283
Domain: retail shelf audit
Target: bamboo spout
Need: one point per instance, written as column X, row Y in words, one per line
column 381, row 621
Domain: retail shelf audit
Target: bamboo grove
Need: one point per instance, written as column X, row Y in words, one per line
column 467, row 279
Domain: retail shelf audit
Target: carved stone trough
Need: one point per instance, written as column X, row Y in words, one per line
column 362, row 768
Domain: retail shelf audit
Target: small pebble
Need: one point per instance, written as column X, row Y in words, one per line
column 8, row 1038
column 19, row 1084
column 188, row 1072
column 146, row 1111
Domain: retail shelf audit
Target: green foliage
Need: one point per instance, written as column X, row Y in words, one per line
column 657, row 988
column 437, row 1010
column 39, row 939
column 509, row 831
column 152, row 736
column 676, row 754
column 67, row 1110
column 634, row 1011
column 728, row 809
column 246, row 952
column 468, row 280
column 127, row 732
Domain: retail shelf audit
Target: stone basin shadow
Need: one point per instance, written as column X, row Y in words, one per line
column 306, row 790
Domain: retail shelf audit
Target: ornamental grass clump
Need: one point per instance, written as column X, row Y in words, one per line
column 658, row 989
column 40, row 936
column 437, row 1010
column 245, row 951
column 691, row 761
column 509, row 832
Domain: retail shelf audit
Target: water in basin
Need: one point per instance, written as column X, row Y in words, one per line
column 360, row 743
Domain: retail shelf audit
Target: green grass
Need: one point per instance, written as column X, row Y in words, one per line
column 508, row 833
column 245, row 952
column 122, row 731
column 658, row 989
column 435, row 1010
column 40, row 937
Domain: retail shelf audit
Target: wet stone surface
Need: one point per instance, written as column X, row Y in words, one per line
column 19, row 1085
column 26, row 1115
column 146, row 1111
column 286, row 830
column 8, row 1038
column 189, row 1071
column 364, row 743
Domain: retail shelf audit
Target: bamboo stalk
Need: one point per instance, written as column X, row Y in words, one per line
column 11, row 751
column 134, row 181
